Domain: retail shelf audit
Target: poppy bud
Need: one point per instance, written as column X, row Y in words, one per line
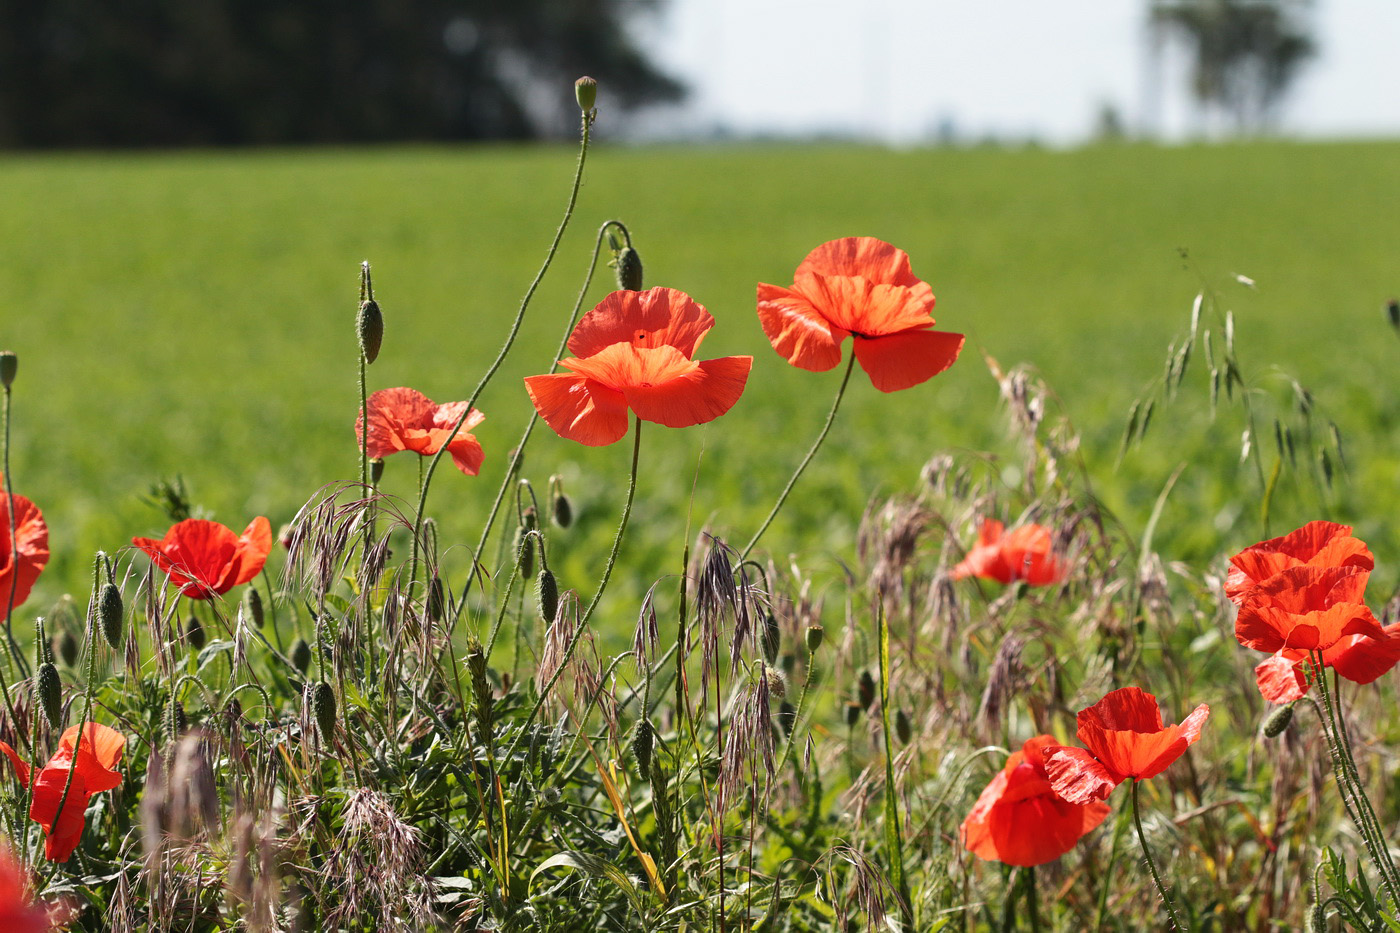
column 563, row 511
column 175, row 721
column 370, row 326
column 815, row 634
column 525, row 551
column 628, row 267
column 865, row 690
column 48, row 690
column 1278, row 721
column 787, row 717
column 194, row 633
column 9, row 366
column 252, row 601
column 547, row 594
column 586, row 93
column 1392, row 309
column 903, row 727
column 853, row 712
column 301, row 655
column 109, row 614
column 530, row 518
column 323, row 708
column 67, row 648
column 772, row 638
column 376, row 470
column 436, row 598
column 1317, row 919
column 642, row 744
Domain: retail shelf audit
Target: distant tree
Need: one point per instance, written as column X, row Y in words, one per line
column 1246, row 53
column 230, row 72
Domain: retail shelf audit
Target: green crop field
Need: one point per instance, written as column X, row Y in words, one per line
column 191, row 314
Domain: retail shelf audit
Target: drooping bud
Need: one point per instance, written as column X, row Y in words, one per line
column 370, row 326
column 194, row 633
column 586, row 93
column 865, row 690
column 109, row 614
column 301, row 655
column 1278, row 720
column 376, row 470
column 903, row 727
column 9, row 367
column 67, row 647
column 436, row 599
column 772, row 638
column 323, row 708
column 642, row 744
column 563, row 511
column 1317, row 918
column 628, row 267
column 175, row 721
column 252, row 601
column 815, row 634
column 48, row 690
column 547, row 594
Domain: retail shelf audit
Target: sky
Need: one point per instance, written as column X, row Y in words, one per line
column 904, row 71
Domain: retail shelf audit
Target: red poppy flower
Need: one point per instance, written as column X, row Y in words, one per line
column 22, row 559
column 1021, row 554
column 1125, row 739
column 406, row 419
column 1317, row 544
column 94, row 771
column 636, row 350
column 1306, row 608
column 206, row 559
column 863, row 288
column 18, row 913
column 1020, row 820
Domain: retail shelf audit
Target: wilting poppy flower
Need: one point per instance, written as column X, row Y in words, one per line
column 1020, row 820
column 1306, row 608
column 636, row 350
column 863, row 288
column 1316, row 544
column 22, row 559
column 1021, row 554
column 406, row 419
column 93, row 772
column 18, row 913
column 206, row 559
column 1125, row 739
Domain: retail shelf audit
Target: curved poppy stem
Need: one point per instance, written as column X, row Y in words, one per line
column 597, row 596
column 1167, row 901
column 587, row 125
column 816, row 445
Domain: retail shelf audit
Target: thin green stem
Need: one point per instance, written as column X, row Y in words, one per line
column 1167, row 901
column 816, row 445
column 20, row 664
column 1032, row 905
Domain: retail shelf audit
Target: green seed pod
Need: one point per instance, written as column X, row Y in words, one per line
column 642, row 744
column 376, row 470
column 48, row 690
column 67, row 647
column 628, row 267
column 436, row 599
column 9, row 367
column 252, row 602
column 815, row 635
column 370, row 326
column 1278, row 720
column 563, row 511
column 194, row 633
column 109, row 614
column 853, row 712
column 323, row 708
column 547, row 594
column 772, row 638
column 865, row 690
column 586, row 93
column 301, row 655
column 903, row 727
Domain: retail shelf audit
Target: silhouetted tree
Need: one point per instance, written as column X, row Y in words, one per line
column 228, row 72
column 1245, row 53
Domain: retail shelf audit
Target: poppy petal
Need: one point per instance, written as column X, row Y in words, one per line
column 1058, row 827
column 696, row 397
column 899, row 361
column 863, row 256
column 391, row 412
column 652, row 318
column 1079, row 777
column 864, row 307
column 1130, row 709
column 21, row 769
column 30, row 547
column 1363, row 659
column 579, row 409
column 1280, row 680
column 797, row 330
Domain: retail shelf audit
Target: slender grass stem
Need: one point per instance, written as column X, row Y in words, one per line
column 1102, row 915
column 801, row 467
column 1167, row 901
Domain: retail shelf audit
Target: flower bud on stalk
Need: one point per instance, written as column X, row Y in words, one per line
column 772, row 638
column 642, row 744
column 301, row 655
column 109, row 614
column 628, row 267
column 1278, row 721
column 9, row 367
column 252, row 601
column 586, row 93
column 67, row 647
column 436, row 598
column 194, row 633
column 815, row 635
column 323, row 708
column 865, row 690
column 853, row 712
column 370, row 326
column 525, row 551
column 175, row 721
column 563, row 511
column 903, row 727
column 547, row 595
column 48, row 689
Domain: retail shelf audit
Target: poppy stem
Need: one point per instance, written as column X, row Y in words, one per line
column 1167, row 902
column 816, row 445
column 1032, row 905
column 586, row 126
column 21, row 665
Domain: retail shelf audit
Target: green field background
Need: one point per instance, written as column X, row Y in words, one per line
column 192, row 314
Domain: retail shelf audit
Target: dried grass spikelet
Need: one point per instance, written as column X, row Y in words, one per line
column 889, row 539
column 192, row 796
column 869, row 891
column 556, row 639
column 1004, row 681
column 647, row 635
column 374, row 867
column 748, row 743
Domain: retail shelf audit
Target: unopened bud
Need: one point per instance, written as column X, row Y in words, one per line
column 252, row 601
column 376, row 470
column 563, row 511
column 586, row 93
column 9, row 366
column 436, row 599
column 1278, row 721
column 1317, row 919
column 772, row 638
column 49, row 692
column 482, row 693
column 642, row 744
column 370, row 326
column 323, row 708
column 67, row 647
column 301, row 655
column 815, row 634
column 865, row 690
column 547, row 594
column 853, row 712
column 1392, row 309
column 787, row 717
column 175, row 721
column 194, row 633
column 903, row 727
column 109, row 614
column 525, row 551
column 628, row 267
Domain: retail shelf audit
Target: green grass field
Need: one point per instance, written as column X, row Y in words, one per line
column 192, row 314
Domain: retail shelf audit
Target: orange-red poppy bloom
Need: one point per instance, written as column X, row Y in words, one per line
column 1020, row 820
column 1306, row 608
column 1361, row 659
column 1316, row 544
column 93, row 771
column 862, row 288
column 206, row 559
column 1023, row 553
column 636, row 351
column 1125, row 739
column 406, row 419
column 18, row 912
column 23, row 558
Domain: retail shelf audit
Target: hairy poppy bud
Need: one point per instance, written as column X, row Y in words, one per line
column 109, row 614
column 9, row 367
column 563, row 511
column 301, row 655
column 642, row 744
column 1278, row 721
column 370, row 326
column 903, row 727
column 787, row 717
column 49, row 692
column 772, row 638
column 628, row 267
column 865, row 690
column 67, row 648
column 1317, row 919
column 815, row 634
column 436, row 599
column 252, row 601
column 175, row 721
column 1392, row 309
column 853, row 712
column 547, row 594
column 194, row 633
column 586, row 93
column 376, row 470
column 323, row 708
